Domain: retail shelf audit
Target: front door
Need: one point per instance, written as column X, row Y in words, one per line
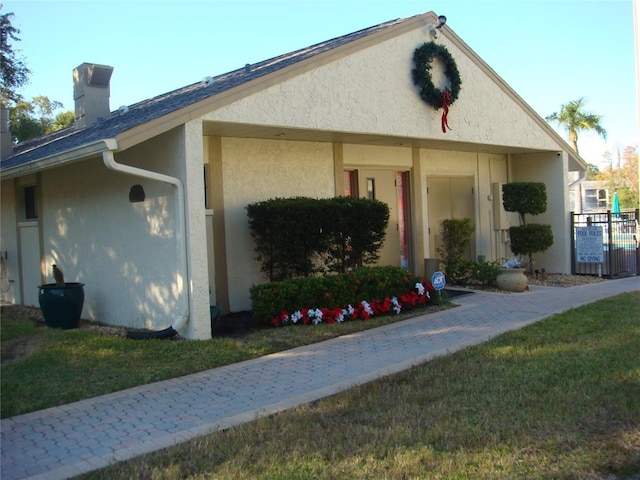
column 29, row 244
column 449, row 197
column 390, row 187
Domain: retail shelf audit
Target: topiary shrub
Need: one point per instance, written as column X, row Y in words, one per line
column 527, row 198
column 529, row 239
column 524, row 198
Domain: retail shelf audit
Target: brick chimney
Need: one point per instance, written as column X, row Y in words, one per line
column 91, row 93
column 6, row 146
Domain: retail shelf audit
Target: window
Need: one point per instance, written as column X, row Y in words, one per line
column 602, row 198
column 371, row 188
column 350, row 183
column 206, row 186
column 595, row 198
column 30, row 210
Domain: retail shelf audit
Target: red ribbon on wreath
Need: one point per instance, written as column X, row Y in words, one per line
column 446, row 101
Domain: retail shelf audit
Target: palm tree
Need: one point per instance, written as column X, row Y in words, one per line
column 575, row 120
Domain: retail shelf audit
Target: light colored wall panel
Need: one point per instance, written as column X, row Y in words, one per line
column 256, row 170
column 353, row 94
column 9, row 242
column 552, row 171
column 398, row 158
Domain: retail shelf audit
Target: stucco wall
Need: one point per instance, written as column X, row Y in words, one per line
column 125, row 253
column 550, row 169
column 398, row 158
column 256, row 170
column 200, row 325
column 486, row 169
column 10, row 292
column 178, row 153
column 372, row 91
column 92, row 231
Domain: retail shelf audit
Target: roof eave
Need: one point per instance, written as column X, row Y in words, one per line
column 77, row 154
column 579, row 163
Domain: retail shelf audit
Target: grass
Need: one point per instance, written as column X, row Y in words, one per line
column 558, row 399
column 62, row 366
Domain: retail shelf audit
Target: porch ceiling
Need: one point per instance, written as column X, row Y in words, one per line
column 242, row 130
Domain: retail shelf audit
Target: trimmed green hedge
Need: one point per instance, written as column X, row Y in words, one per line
column 375, row 284
column 296, row 237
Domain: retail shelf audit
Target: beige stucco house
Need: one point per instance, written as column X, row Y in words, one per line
column 119, row 201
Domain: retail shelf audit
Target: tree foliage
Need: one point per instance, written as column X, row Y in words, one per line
column 574, row 119
column 621, row 175
column 456, row 236
column 592, row 171
column 13, row 71
column 28, row 120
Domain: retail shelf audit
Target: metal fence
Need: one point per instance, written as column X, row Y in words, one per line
column 621, row 242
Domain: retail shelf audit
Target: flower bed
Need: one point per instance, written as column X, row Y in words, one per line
column 360, row 294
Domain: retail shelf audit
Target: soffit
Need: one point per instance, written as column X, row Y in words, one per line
column 242, row 130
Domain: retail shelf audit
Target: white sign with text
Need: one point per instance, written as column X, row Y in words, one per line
column 589, row 247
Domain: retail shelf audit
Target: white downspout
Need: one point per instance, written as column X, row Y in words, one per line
column 582, row 175
column 181, row 231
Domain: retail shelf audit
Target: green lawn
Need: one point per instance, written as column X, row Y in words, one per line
column 559, row 399
column 63, row 366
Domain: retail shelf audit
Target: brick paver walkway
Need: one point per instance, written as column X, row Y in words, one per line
column 65, row 441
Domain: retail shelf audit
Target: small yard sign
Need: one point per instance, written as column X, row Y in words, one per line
column 438, row 281
column 589, row 247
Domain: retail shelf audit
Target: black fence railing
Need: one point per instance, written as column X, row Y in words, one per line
column 620, row 243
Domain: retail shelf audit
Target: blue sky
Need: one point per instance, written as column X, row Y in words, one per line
column 549, row 51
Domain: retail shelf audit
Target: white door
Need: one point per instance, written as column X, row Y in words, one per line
column 29, row 248
column 29, row 235
column 449, row 197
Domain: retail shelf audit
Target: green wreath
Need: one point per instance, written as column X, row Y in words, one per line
column 422, row 58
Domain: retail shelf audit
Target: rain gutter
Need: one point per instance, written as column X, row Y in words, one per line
column 58, row 159
column 181, row 234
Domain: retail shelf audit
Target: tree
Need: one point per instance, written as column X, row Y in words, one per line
column 592, row 171
column 63, row 120
column 13, row 71
column 621, row 176
column 574, row 120
column 33, row 119
column 456, row 237
column 630, row 178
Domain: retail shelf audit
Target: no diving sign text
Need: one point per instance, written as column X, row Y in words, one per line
column 589, row 245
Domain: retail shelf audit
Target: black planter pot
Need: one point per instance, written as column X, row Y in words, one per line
column 61, row 306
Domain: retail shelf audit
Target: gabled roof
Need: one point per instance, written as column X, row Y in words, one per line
column 147, row 110
column 183, row 103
